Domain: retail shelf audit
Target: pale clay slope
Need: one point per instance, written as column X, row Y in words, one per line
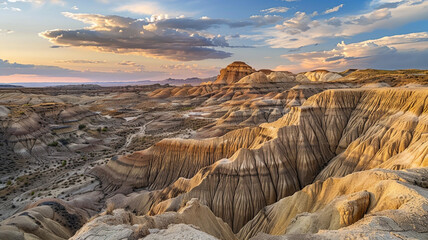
column 179, row 232
column 374, row 204
column 123, row 224
column 50, row 219
column 4, row 111
column 318, row 76
column 302, row 143
column 365, row 128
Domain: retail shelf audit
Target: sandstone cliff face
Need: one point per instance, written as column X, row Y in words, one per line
column 387, row 202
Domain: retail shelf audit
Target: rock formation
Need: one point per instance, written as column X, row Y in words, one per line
column 318, row 76
column 170, row 159
column 48, row 219
column 233, row 73
column 318, row 155
column 299, row 145
column 371, row 139
column 36, row 126
column 382, row 203
column 120, row 224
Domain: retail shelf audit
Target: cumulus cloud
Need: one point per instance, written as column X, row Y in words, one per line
column 193, row 68
column 5, row 31
column 399, row 51
column 379, row 4
column 334, row 21
column 275, row 10
column 262, row 20
column 136, row 67
column 205, row 23
column 158, row 36
column 389, row 5
column 13, row 9
column 308, row 31
column 128, row 63
column 299, row 23
column 127, row 35
column 371, row 18
column 334, row 9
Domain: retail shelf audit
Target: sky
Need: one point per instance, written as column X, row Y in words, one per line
column 129, row 40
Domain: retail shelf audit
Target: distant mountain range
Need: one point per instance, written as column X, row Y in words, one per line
column 9, row 86
column 171, row 81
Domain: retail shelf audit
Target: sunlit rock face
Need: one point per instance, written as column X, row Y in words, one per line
column 123, row 224
column 374, row 204
column 233, row 73
column 294, row 150
column 318, row 76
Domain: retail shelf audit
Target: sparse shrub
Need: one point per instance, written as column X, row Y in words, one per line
column 64, row 141
column 53, row 144
column 32, row 193
column 64, row 162
column 110, row 208
column 9, row 183
column 82, row 126
column 105, row 129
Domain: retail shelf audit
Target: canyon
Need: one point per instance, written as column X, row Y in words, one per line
column 251, row 154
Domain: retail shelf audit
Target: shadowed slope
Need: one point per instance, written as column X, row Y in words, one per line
column 277, row 159
column 388, row 202
column 307, row 137
column 170, row 159
column 375, row 134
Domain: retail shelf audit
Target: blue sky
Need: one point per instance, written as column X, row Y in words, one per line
column 106, row 40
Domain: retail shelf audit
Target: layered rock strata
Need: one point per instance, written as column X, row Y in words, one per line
column 301, row 144
column 374, row 204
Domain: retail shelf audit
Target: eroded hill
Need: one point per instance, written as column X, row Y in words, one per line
column 254, row 154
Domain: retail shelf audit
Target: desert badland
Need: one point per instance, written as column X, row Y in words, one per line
column 225, row 119
column 254, row 154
